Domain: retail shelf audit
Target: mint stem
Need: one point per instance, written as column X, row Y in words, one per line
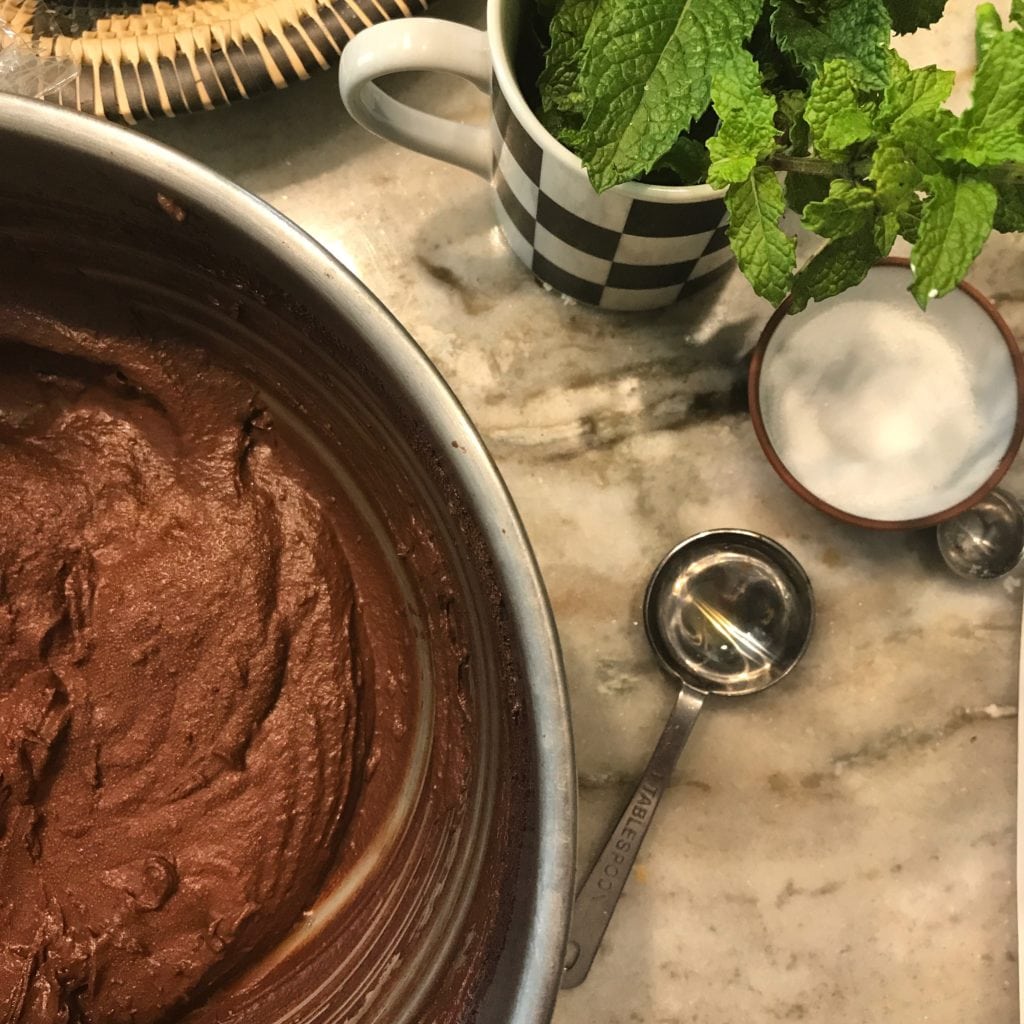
column 1002, row 174
column 812, row 165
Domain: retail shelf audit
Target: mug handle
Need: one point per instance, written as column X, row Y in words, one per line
column 425, row 44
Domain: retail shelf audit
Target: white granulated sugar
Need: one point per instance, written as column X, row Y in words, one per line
column 877, row 408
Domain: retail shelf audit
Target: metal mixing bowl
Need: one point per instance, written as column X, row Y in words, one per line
column 128, row 214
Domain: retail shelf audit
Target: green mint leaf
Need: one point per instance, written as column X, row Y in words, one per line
column 988, row 26
column 833, row 112
column 910, row 220
column 1017, row 12
column 563, row 109
column 910, row 15
column 842, row 264
column 1010, row 209
column 564, row 127
column 747, row 114
column 846, row 210
column 764, row 252
column 727, row 170
column 921, row 137
column 954, row 225
column 646, row 74
column 991, row 128
column 791, row 123
column 912, row 92
column 983, row 147
column 854, row 31
column 802, row 189
column 686, row 162
column 886, row 229
column 998, row 94
column 896, row 176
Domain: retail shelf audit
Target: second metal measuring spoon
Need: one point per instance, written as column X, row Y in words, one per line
column 987, row 541
column 727, row 612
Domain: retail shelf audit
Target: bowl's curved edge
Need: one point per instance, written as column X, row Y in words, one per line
column 476, row 473
column 934, row 519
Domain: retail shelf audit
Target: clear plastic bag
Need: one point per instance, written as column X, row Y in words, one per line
column 25, row 72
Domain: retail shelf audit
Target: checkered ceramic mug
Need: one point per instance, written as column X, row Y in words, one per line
column 633, row 247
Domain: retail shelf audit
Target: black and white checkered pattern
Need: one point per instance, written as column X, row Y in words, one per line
column 608, row 250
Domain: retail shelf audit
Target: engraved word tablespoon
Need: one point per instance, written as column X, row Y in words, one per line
column 727, row 612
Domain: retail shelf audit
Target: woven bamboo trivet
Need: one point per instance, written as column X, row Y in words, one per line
column 149, row 60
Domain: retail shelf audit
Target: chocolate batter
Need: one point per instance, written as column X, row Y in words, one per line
column 188, row 681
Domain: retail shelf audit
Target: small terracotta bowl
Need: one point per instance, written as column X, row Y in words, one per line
column 876, row 454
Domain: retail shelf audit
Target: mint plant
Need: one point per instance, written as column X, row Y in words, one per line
column 810, row 88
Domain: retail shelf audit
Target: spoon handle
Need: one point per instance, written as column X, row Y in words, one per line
column 599, row 894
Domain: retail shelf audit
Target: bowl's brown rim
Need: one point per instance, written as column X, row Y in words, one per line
column 761, row 432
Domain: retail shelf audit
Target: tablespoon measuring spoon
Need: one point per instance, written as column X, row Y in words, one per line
column 726, row 612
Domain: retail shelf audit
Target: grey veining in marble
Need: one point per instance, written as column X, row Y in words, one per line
column 840, row 848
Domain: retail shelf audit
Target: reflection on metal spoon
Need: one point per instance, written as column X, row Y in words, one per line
column 727, row 612
column 986, row 541
column 725, row 619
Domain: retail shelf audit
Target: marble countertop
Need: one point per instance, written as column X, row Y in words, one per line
column 840, row 848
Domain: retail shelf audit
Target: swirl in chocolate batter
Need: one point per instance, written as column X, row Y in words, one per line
column 183, row 678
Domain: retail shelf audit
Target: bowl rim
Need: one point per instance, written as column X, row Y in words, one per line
column 198, row 187
column 934, row 518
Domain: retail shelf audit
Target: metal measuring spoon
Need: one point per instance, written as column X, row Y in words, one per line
column 727, row 612
column 986, row 541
